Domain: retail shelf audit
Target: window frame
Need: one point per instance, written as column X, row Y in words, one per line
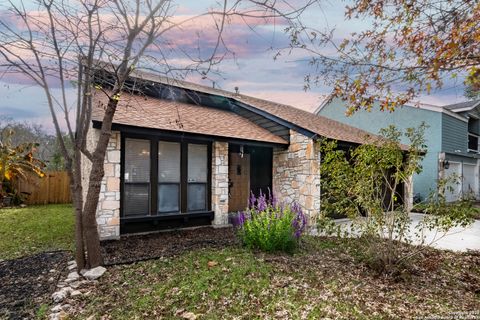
column 154, row 182
column 179, row 183
column 477, row 150
column 188, row 183
column 144, row 183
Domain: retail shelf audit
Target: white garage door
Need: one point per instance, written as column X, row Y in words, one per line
column 469, row 179
column 454, row 189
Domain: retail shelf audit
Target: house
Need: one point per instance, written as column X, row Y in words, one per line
column 184, row 155
column 452, row 139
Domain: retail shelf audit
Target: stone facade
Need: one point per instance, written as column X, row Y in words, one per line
column 296, row 174
column 108, row 212
column 220, row 182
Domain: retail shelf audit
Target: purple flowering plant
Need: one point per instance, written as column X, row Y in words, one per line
column 269, row 225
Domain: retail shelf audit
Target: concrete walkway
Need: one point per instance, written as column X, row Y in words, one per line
column 457, row 239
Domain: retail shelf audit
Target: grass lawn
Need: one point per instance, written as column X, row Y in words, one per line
column 33, row 229
column 322, row 280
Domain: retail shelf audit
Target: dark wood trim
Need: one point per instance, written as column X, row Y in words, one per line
column 168, row 216
column 154, row 177
column 165, row 222
column 170, row 135
column 122, row 172
column 209, row 176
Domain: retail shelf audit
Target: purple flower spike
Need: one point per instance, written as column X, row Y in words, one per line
column 272, row 199
column 262, row 202
column 241, row 218
column 299, row 222
column 251, row 200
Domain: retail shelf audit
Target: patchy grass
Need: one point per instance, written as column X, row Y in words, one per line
column 323, row 280
column 477, row 214
column 25, row 231
column 42, row 311
column 475, row 211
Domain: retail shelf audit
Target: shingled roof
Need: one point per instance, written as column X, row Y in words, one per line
column 316, row 124
column 462, row 106
column 147, row 112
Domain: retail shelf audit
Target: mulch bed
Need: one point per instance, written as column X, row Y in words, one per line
column 135, row 248
column 27, row 282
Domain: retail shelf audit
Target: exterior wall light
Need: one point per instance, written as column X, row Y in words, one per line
column 446, row 164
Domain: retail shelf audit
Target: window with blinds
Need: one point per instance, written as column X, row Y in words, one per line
column 137, row 177
column 197, row 177
column 164, row 177
column 168, row 177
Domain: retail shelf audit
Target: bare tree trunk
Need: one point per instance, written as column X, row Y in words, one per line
column 79, row 245
column 94, row 187
column 77, row 197
column 90, row 229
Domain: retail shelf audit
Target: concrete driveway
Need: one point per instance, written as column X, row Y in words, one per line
column 457, row 239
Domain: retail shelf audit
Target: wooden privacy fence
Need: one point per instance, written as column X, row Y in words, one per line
column 53, row 188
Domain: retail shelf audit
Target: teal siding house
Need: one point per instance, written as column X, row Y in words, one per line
column 452, row 139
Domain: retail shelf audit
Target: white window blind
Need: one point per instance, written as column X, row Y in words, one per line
column 137, row 160
column 168, row 161
column 197, row 177
column 137, row 177
column 168, row 176
column 197, row 163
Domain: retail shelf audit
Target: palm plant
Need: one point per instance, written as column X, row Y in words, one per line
column 17, row 162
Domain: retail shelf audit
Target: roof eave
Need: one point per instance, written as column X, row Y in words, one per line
column 97, row 124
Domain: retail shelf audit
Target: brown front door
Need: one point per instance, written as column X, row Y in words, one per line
column 239, row 179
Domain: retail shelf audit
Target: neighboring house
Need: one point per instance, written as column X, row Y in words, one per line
column 184, row 155
column 452, row 139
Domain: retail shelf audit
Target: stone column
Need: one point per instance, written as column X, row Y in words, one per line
column 296, row 175
column 220, row 182
column 108, row 211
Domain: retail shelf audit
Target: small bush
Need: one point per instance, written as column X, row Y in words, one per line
column 364, row 183
column 269, row 226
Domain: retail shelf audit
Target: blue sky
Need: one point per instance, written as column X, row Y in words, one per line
column 254, row 70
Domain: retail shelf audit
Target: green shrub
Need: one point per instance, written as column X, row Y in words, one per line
column 364, row 184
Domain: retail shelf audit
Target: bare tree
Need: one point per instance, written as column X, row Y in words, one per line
column 408, row 49
column 64, row 42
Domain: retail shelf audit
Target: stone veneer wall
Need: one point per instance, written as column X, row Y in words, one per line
column 108, row 212
column 220, row 182
column 296, row 175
